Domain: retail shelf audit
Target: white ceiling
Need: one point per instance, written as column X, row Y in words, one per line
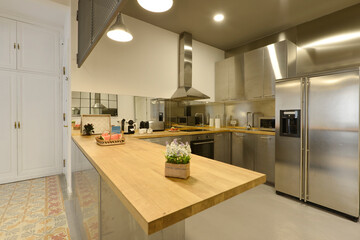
column 245, row 20
column 51, row 12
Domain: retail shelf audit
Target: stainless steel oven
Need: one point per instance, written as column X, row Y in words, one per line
column 203, row 145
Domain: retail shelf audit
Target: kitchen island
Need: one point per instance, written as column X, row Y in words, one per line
column 136, row 200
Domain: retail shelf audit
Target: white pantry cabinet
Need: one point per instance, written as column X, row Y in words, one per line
column 7, row 43
column 29, row 47
column 30, row 126
column 38, row 113
column 8, row 146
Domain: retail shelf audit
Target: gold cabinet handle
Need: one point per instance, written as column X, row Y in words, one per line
column 18, row 45
column 15, row 125
column 14, row 45
column 66, row 126
column 18, row 125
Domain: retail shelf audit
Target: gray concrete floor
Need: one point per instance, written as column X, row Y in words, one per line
column 262, row 214
column 257, row 214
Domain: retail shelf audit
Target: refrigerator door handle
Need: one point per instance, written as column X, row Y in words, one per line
column 301, row 139
column 306, row 152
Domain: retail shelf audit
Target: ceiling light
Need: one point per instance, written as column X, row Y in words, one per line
column 219, row 17
column 119, row 32
column 156, row 5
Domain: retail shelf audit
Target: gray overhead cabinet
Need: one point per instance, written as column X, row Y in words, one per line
column 264, row 65
column 229, row 79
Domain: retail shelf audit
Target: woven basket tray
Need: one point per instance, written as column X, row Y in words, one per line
column 109, row 142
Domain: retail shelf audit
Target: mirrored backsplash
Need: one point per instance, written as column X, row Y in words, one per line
column 93, row 103
column 172, row 113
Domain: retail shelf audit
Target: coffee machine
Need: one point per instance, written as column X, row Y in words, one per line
column 128, row 127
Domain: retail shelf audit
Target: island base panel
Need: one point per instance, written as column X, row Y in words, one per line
column 118, row 223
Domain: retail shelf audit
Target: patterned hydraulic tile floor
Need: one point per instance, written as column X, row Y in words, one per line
column 33, row 210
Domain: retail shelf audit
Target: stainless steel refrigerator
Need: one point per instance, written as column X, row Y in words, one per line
column 317, row 139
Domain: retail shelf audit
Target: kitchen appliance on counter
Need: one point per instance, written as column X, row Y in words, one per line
column 267, row 124
column 157, row 125
column 129, row 127
column 317, row 140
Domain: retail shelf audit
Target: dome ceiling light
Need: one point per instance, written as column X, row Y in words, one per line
column 156, row 5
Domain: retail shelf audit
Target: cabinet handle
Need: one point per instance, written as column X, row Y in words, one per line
column 15, row 125
column 18, row 125
column 14, row 45
column 265, row 137
column 18, row 45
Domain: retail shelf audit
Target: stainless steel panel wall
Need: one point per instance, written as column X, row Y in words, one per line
column 287, row 149
column 227, row 112
column 333, row 142
column 330, row 42
column 313, row 57
column 238, row 111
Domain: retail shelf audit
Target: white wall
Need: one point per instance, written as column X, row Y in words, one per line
column 146, row 66
column 47, row 12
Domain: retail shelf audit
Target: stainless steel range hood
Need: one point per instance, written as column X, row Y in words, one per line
column 98, row 103
column 185, row 90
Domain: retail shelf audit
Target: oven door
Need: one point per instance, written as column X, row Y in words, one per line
column 203, row 148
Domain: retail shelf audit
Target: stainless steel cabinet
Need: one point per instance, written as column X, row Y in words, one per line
column 254, row 152
column 229, row 79
column 263, row 66
column 222, row 147
column 265, row 156
column 254, row 73
column 243, row 150
column 221, row 80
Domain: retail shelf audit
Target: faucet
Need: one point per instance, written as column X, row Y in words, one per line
column 202, row 118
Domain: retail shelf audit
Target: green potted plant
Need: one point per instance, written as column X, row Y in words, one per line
column 88, row 129
column 178, row 157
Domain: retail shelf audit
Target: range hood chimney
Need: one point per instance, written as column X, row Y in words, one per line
column 185, row 90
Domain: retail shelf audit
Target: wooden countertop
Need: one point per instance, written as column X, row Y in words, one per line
column 167, row 133
column 135, row 172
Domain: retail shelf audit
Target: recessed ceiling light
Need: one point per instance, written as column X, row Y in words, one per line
column 219, row 17
column 156, row 5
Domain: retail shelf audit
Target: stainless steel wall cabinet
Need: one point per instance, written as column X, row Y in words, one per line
column 321, row 165
column 229, row 79
column 264, row 65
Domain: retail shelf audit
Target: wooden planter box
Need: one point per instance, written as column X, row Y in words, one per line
column 177, row 170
